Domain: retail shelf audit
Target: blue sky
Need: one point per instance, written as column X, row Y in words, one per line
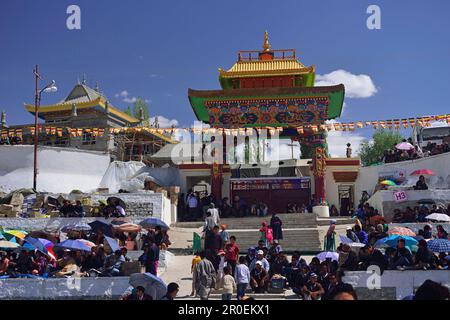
column 158, row 49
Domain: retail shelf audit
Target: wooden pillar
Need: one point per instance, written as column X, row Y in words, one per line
column 319, row 175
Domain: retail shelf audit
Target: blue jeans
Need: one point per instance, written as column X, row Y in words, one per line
column 241, row 289
column 226, row 296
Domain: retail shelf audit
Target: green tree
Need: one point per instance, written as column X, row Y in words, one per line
column 128, row 111
column 372, row 152
column 137, row 109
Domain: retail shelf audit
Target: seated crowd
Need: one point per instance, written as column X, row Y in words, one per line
column 431, row 149
column 100, row 261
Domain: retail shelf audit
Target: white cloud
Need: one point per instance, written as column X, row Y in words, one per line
column 356, row 86
column 129, row 100
column 337, row 143
column 124, row 95
column 163, row 122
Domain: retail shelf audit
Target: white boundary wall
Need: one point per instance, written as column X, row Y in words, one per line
column 404, row 282
column 61, row 170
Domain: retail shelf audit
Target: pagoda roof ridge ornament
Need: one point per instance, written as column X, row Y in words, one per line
column 266, row 44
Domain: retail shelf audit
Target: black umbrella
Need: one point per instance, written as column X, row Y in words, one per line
column 101, row 225
column 117, row 201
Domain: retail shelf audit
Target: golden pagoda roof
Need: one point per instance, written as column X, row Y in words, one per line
column 83, row 97
column 251, row 68
column 83, row 105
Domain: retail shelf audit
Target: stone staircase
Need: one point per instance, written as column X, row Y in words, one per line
column 305, row 239
column 300, row 230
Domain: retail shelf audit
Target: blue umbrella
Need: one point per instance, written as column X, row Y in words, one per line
column 101, row 225
column 112, row 243
column 439, row 245
column 153, row 222
column 36, row 244
column 72, row 245
column 152, row 284
column 392, row 240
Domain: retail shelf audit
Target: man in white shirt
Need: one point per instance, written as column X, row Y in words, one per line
column 260, row 257
column 242, row 277
column 214, row 213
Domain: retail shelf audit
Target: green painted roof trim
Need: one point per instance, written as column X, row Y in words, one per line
column 334, row 109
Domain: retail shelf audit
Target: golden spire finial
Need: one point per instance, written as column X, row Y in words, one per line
column 266, row 45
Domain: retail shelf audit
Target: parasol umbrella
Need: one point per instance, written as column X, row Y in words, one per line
column 153, row 285
column 116, row 201
column 388, row 183
column 112, row 243
column 8, row 244
column 438, row 217
column 439, row 245
column 401, row 231
column 128, row 227
column 404, row 146
column 72, row 245
column 153, row 222
column 328, row 255
column 350, row 242
column 103, row 226
column 36, row 243
column 392, row 241
column 90, row 244
column 80, row 226
column 119, row 221
column 16, row 233
column 424, row 172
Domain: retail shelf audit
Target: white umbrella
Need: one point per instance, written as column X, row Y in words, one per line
column 328, row 255
column 438, row 217
column 404, row 146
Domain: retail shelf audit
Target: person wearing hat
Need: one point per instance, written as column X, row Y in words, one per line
column 313, row 290
column 259, row 278
column 275, row 224
column 260, row 258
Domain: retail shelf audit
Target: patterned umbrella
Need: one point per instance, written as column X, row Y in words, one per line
column 401, row 231
column 439, row 245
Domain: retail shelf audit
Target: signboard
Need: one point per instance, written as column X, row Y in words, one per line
column 400, row 196
column 270, row 184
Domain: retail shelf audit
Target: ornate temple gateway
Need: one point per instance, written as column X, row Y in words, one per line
column 271, row 88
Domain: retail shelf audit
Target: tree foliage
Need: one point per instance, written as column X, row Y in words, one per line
column 372, row 152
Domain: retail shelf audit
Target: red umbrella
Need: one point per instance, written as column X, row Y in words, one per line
column 423, row 172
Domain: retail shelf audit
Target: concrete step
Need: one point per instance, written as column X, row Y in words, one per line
column 290, row 220
column 303, row 240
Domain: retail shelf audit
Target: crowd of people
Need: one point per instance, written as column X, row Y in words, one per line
column 267, row 267
column 431, row 149
column 104, row 259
